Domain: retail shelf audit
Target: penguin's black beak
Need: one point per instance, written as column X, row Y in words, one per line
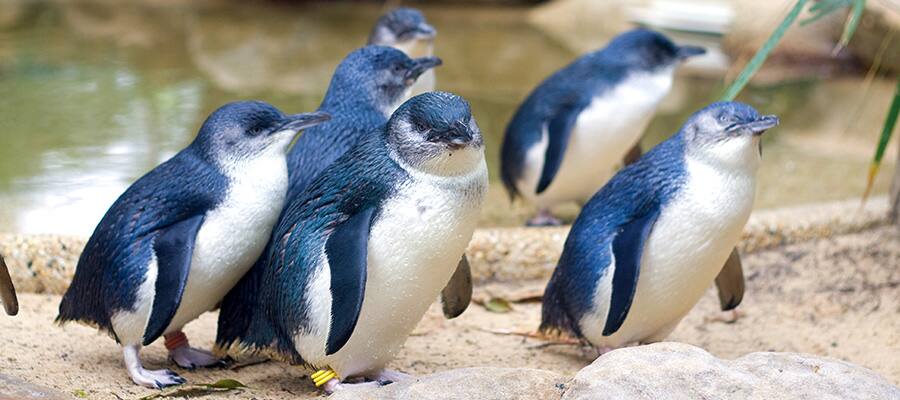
column 757, row 126
column 298, row 122
column 419, row 66
column 458, row 136
column 425, row 32
column 685, row 52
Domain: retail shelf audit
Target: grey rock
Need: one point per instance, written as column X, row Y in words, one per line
column 12, row 388
column 468, row 383
column 679, row 371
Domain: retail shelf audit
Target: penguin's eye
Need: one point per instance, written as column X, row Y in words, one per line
column 254, row 131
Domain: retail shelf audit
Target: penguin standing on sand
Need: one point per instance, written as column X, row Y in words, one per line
column 367, row 86
column 405, row 29
column 648, row 244
column 181, row 236
column 564, row 140
column 357, row 260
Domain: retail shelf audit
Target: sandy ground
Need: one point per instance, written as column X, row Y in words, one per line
column 837, row 297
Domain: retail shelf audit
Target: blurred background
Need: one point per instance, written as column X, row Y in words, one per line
column 93, row 94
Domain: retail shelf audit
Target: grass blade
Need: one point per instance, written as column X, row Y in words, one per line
column 886, row 133
column 763, row 53
column 823, row 8
column 852, row 22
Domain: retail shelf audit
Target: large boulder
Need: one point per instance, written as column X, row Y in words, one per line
column 468, row 383
column 679, row 371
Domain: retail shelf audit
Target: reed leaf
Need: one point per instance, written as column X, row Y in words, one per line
column 760, row 57
column 886, row 131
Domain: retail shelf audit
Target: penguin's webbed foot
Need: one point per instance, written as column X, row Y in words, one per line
column 187, row 357
column 190, row 358
column 156, row 379
column 544, row 218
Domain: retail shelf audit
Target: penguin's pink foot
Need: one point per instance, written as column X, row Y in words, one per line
column 544, row 218
column 387, row 376
column 154, row 379
column 188, row 357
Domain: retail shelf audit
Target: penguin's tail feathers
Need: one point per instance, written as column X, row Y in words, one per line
column 83, row 303
column 555, row 318
column 244, row 327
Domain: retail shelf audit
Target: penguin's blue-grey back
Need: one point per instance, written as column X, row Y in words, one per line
column 650, row 182
column 125, row 235
column 363, row 175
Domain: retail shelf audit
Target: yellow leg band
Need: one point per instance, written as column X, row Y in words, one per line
column 322, row 376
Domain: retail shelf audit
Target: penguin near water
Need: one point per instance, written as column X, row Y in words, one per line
column 407, row 30
column 647, row 246
column 577, row 125
column 357, row 259
column 182, row 235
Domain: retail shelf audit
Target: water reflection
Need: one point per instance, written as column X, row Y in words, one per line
column 92, row 95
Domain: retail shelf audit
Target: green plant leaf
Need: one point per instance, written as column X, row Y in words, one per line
column 225, row 384
column 886, row 131
column 850, row 28
column 763, row 53
column 823, row 8
column 198, row 390
column 498, row 305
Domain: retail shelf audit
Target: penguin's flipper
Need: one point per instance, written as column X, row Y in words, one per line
column 346, row 250
column 7, row 290
column 559, row 129
column 627, row 248
column 174, row 247
column 455, row 297
column 730, row 282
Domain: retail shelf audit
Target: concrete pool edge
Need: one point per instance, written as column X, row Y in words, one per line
column 46, row 263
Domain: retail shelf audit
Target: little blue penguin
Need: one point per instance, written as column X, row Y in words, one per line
column 182, row 235
column 406, row 29
column 648, row 244
column 358, row 258
column 367, row 86
column 575, row 127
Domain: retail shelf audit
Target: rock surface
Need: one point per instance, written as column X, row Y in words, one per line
column 469, row 383
column 681, row 371
column 663, row 370
column 12, row 388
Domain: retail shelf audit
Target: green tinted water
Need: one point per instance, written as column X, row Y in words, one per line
column 94, row 95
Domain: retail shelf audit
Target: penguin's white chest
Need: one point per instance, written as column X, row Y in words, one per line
column 687, row 248
column 414, row 247
column 602, row 135
column 233, row 235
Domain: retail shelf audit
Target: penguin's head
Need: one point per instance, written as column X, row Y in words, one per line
column 727, row 133
column 435, row 132
column 249, row 129
column 645, row 49
column 405, row 29
column 383, row 75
